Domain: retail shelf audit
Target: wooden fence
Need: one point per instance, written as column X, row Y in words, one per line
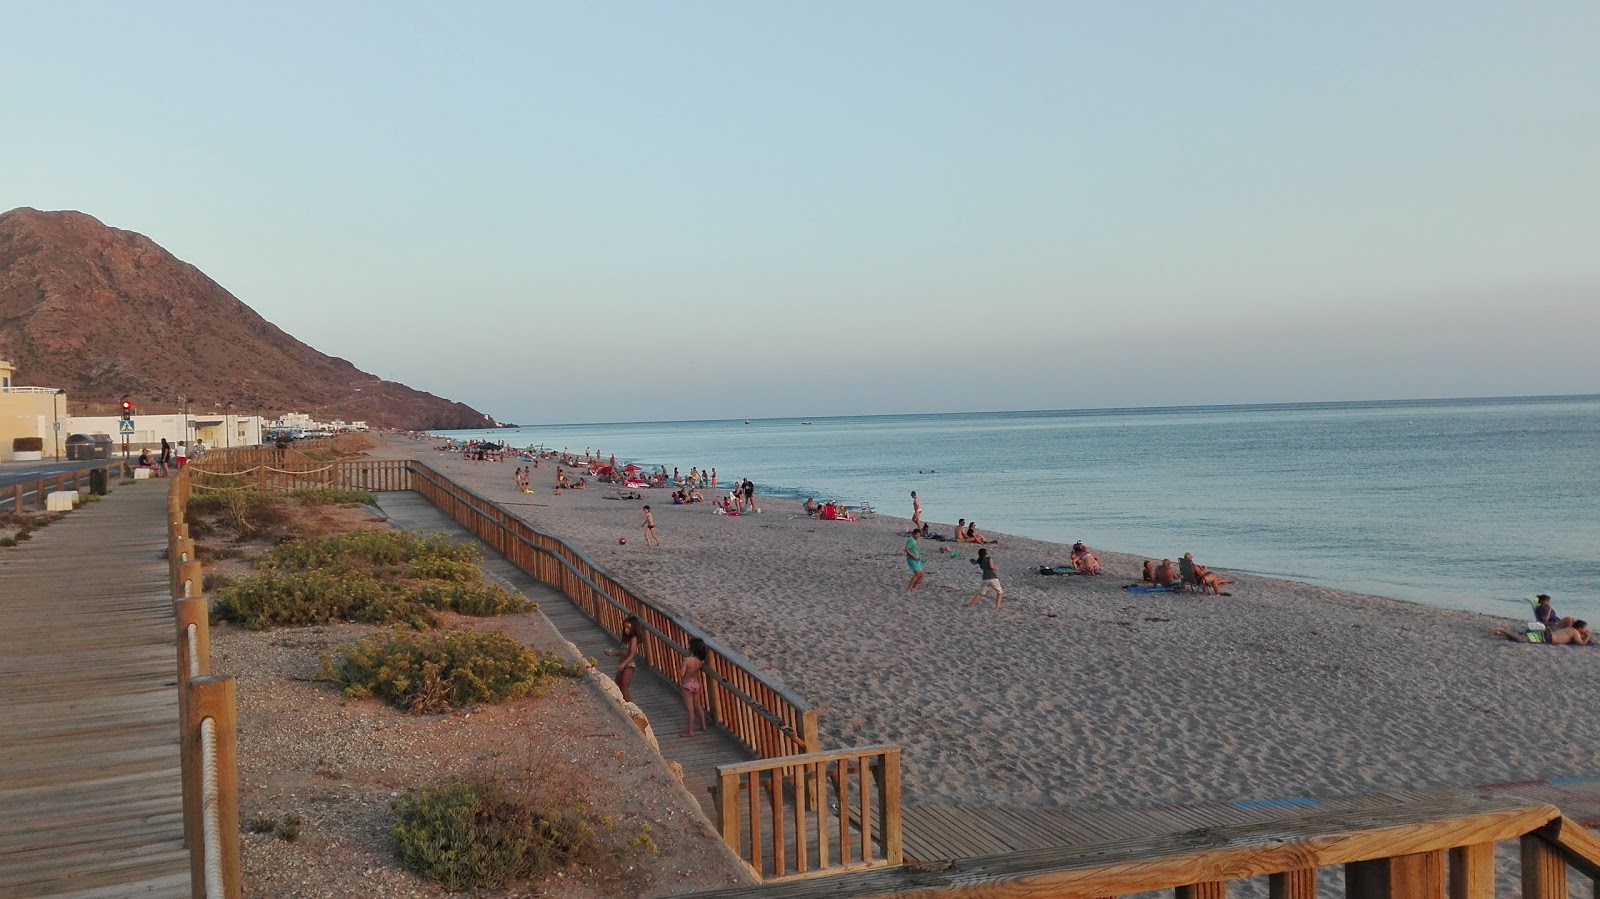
column 757, row 710
column 821, row 812
column 14, row 497
column 1429, row 849
column 208, row 745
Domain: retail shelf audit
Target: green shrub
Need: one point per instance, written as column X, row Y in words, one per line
column 382, row 548
column 444, row 569
column 434, row 672
column 298, row 598
column 478, row 600
column 333, row 496
column 8, row 541
column 483, row 836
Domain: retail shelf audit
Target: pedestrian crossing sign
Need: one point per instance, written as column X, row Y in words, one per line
column 125, row 427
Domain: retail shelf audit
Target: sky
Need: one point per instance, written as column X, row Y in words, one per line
column 646, row 211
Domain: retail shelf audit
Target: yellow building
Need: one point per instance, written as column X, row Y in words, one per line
column 30, row 412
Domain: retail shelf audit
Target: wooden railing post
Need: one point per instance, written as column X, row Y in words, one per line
column 1212, row 889
column 1472, row 871
column 1544, row 873
column 887, row 775
column 213, row 698
column 727, row 801
column 1300, row 884
column 1418, row 876
column 194, row 659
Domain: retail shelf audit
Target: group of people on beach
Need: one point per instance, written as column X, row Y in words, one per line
column 1548, row 627
column 1188, row 573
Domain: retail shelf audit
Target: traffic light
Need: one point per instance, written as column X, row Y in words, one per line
column 127, row 410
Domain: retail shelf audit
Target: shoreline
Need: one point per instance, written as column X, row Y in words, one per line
column 1077, row 693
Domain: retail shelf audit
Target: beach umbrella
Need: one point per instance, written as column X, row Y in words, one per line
column 631, row 468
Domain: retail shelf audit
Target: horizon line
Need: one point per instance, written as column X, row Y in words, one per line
column 1085, row 410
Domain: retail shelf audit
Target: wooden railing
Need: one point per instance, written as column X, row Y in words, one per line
column 13, row 497
column 822, row 812
column 208, row 748
column 1429, row 849
column 753, row 707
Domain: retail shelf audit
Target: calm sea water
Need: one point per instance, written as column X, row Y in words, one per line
column 1470, row 504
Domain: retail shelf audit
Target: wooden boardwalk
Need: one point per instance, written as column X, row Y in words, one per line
column 90, row 793
column 936, row 831
column 656, row 695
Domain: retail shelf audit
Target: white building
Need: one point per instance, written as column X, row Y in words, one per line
column 148, row 430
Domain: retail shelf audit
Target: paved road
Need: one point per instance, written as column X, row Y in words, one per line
column 29, row 472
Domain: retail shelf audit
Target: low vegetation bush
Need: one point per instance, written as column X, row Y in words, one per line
column 328, row 595
column 485, row 836
column 299, row 598
column 333, row 496
column 245, row 511
column 427, row 673
column 372, row 549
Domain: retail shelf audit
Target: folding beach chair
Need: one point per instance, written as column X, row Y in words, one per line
column 866, row 510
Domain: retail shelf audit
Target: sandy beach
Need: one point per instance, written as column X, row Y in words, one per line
column 1076, row 692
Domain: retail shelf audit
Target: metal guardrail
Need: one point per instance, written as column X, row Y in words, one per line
column 14, row 497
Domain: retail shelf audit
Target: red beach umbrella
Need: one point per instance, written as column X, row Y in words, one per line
column 631, row 468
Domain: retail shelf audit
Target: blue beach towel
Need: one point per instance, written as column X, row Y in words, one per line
column 1146, row 588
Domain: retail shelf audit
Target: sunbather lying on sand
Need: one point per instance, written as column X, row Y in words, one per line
column 1576, row 635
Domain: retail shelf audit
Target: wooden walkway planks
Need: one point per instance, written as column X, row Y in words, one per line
column 657, row 696
column 938, row 831
column 90, row 794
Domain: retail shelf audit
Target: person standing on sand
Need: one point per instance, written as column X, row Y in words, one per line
column 690, row 673
column 649, row 525
column 713, row 477
column 631, row 650
column 914, row 559
column 989, row 573
column 750, row 495
column 916, row 511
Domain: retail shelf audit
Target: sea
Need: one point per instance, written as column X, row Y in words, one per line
column 1473, row 504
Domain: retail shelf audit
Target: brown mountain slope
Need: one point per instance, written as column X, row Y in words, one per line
column 105, row 312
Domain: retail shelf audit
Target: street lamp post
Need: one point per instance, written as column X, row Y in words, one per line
column 227, row 425
column 54, row 400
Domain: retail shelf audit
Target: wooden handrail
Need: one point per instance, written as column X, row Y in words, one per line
column 1577, row 845
column 818, row 813
column 1387, row 852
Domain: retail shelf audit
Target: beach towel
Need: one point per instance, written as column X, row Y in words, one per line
column 1057, row 570
column 1146, row 588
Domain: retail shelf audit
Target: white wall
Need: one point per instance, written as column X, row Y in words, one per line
column 235, row 430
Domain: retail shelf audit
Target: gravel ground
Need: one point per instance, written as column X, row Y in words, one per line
column 337, row 764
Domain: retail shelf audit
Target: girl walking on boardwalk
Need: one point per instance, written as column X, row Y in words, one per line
column 691, row 673
column 989, row 573
column 631, row 650
column 649, row 525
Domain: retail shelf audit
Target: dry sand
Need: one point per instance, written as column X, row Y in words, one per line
column 1075, row 692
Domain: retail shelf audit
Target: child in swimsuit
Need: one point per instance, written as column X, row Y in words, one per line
column 690, row 674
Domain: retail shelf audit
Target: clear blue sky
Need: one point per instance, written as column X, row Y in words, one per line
column 683, row 210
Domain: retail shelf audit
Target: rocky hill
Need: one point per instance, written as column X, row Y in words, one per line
column 105, row 312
